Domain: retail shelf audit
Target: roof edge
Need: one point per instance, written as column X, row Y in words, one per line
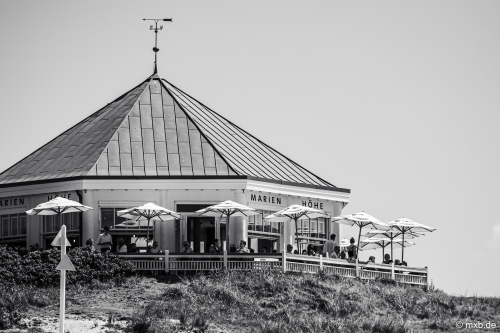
column 35, row 182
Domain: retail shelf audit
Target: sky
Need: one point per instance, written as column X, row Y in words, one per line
column 396, row 100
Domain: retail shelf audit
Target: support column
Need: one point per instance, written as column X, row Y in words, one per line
column 288, row 234
column 90, row 223
column 33, row 224
column 167, row 233
column 238, row 226
column 336, row 229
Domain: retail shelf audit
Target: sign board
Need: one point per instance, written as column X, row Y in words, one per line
column 265, row 259
column 12, row 202
column 65, row 264
column 57, row 240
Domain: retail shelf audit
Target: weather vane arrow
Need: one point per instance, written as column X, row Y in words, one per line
column 156, row 29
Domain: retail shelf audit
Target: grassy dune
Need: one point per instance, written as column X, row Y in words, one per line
column 275, row 302
column 264, row 302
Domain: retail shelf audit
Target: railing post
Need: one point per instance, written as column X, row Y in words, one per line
column 283, row 261
column 167, row 262
column 357, row 268
column 225, row 259
column 427, row 276
column 393, row 276
column 320, row 263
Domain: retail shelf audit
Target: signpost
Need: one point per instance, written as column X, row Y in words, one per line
column 64, row 265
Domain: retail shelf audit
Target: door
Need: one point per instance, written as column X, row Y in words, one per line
column 200, row 233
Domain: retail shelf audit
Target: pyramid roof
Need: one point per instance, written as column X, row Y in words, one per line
column 157, row 130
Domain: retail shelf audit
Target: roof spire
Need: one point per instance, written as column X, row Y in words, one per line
column 156, row 49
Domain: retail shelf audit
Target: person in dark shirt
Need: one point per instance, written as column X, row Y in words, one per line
column 387, row 259
column 310, row 250
column 133, row 248
column 215, row 247
column 352, row 250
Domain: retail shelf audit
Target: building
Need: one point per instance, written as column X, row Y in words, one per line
column 155, row 143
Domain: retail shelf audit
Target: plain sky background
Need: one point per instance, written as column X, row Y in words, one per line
column 396, row 100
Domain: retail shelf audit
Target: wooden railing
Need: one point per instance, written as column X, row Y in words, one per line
column 183, row 262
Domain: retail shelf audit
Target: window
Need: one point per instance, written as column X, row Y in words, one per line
column 258, row 223
column 312, row 228
column 5, row 225
column 110, row 218
column 52, row 223
column 13, row 225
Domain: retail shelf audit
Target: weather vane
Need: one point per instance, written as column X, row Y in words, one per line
column 156, row 28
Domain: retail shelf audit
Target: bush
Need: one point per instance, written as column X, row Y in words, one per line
column 39, row 267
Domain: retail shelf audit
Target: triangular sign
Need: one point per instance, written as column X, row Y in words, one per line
column 57, row 240
column 65, row 264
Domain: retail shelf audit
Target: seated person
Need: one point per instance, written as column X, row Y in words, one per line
column 186, row 248
column 295, row 251
column 387, row 259
column 120, row 245
column 397, row 262
column 264, row 249
column 403, row 263
column 343, row 255
column 155, row 248
column 133, row 248
column 336, row 252
column 289, row 249
column 310, row 250
column 90, row 243
column 304, row 252
column 243, row 247
column 215, row 247
column 371, row 259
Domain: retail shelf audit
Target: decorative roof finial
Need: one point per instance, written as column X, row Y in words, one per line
column 156, row 28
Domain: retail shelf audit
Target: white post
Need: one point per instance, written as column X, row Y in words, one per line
column 320, row 263
column 167, row 262
column 225, row 259
column 62, row 297
column 393, row 276
column 283, row 261
column 357, row 268
column 427, row 280
column 202, row 247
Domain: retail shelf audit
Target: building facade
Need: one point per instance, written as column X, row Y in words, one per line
column 157, row 144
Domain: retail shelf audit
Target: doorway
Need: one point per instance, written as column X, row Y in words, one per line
column 200, row 233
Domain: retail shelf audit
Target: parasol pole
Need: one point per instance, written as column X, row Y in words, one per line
column 403, row 247
column 359, row 237
column 297, row 235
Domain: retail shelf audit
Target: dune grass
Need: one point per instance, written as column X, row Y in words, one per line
column 262, row 302
column 270, row 302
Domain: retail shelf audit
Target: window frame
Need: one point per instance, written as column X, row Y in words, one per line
column 19, row 218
